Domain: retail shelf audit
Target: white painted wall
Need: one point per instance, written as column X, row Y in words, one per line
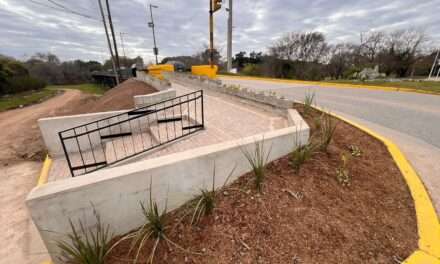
column 49, row 128
column 116, row 192
column 149, row 99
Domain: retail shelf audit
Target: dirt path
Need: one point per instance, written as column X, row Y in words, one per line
column 22, row 152
column 20, row 144
column 20, row 137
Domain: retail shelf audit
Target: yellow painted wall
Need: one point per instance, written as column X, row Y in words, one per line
column 205, row 70
column 156, row 70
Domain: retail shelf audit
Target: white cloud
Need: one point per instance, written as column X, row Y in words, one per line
column 182, row 26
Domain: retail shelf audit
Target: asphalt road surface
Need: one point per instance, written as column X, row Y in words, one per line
column 411, row 120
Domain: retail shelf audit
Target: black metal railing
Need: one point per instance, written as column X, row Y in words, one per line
column 104, row 142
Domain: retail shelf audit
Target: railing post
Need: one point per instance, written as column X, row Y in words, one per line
column 66, row 154
column 203, row 113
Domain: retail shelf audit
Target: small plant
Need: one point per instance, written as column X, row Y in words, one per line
column 258, row 160
column 308, row 102
column 205, row 202
column 327, row 130
column 355, row 151
column 154, row 228
column 300, row 155
column 342, row 172
column 86, row 245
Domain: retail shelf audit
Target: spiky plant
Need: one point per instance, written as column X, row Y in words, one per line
column 327, row 131
column 257, row 160
column 153, row 228
column 205, row 202
column 86, row 245
column 309, row 99
column 300, row 155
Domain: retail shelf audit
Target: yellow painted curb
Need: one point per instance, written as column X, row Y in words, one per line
column 427, row 220
column 330, row 84
column 42, row 180
column 44, row 174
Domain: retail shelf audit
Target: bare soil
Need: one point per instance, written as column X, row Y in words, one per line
column 305, row 217
column 20, row 136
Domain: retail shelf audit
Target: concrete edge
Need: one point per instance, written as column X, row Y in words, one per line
column 337, row 85
column 42, row 180
column 428, row 224
column 44, row 173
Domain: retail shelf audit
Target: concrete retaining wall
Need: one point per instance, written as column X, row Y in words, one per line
column 149, row 99
column 156, row 83
column 49, row 128
column 202, row 82
column 116, row 192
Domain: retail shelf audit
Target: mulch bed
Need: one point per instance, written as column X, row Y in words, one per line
column 305, row 217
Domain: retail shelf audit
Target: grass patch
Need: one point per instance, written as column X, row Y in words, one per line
column 428, row 86
column 89, row 88
column 25, row 98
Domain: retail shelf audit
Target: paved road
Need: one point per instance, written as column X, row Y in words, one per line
column 411, row 120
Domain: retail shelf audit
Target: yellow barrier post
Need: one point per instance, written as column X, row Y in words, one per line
column 156, row 70
column 205, row 70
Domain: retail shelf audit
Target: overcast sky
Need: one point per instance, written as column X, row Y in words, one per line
column 182, row 25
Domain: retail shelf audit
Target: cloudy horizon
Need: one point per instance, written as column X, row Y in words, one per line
column 30, row 26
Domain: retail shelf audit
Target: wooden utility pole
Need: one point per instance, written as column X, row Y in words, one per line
column 109, row 43
column 151, row 24
column 211, row 34
column 118, row 64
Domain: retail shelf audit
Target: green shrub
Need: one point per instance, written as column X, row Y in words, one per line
column 309, row 99
column 22, row 84
column 204, row 204
column 86, row 245
column 154, row 228
column 300, row 155
column 327, row 130
column 251, row 69
column 257, row 160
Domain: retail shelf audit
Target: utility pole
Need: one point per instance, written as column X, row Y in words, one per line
column 109, row 43
column 214, row 5
column 434, row 64
column 118, row 64
column 229, row 67
column 151, row 25
column 122, row 44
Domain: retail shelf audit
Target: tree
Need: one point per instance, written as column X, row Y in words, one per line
column 306, row 47
column 401, row 51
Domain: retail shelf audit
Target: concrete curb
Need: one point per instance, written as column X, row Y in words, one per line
column 42, row 179
column 332, row 85
column 427, row 220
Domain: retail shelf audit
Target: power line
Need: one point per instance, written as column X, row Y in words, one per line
column 64, row 9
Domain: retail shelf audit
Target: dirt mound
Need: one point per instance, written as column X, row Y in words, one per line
column 118, row 98
column 21, row 134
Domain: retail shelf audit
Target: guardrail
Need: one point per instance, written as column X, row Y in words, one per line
column 107, row 141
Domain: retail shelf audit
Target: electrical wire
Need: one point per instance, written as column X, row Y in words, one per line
column 62, row 8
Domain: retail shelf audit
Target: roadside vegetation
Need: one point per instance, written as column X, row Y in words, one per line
column 89, row 88
column 25, row 98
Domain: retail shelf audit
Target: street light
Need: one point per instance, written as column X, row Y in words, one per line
column 151, row 25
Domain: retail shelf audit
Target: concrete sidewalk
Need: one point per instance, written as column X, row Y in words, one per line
column 225, row 120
